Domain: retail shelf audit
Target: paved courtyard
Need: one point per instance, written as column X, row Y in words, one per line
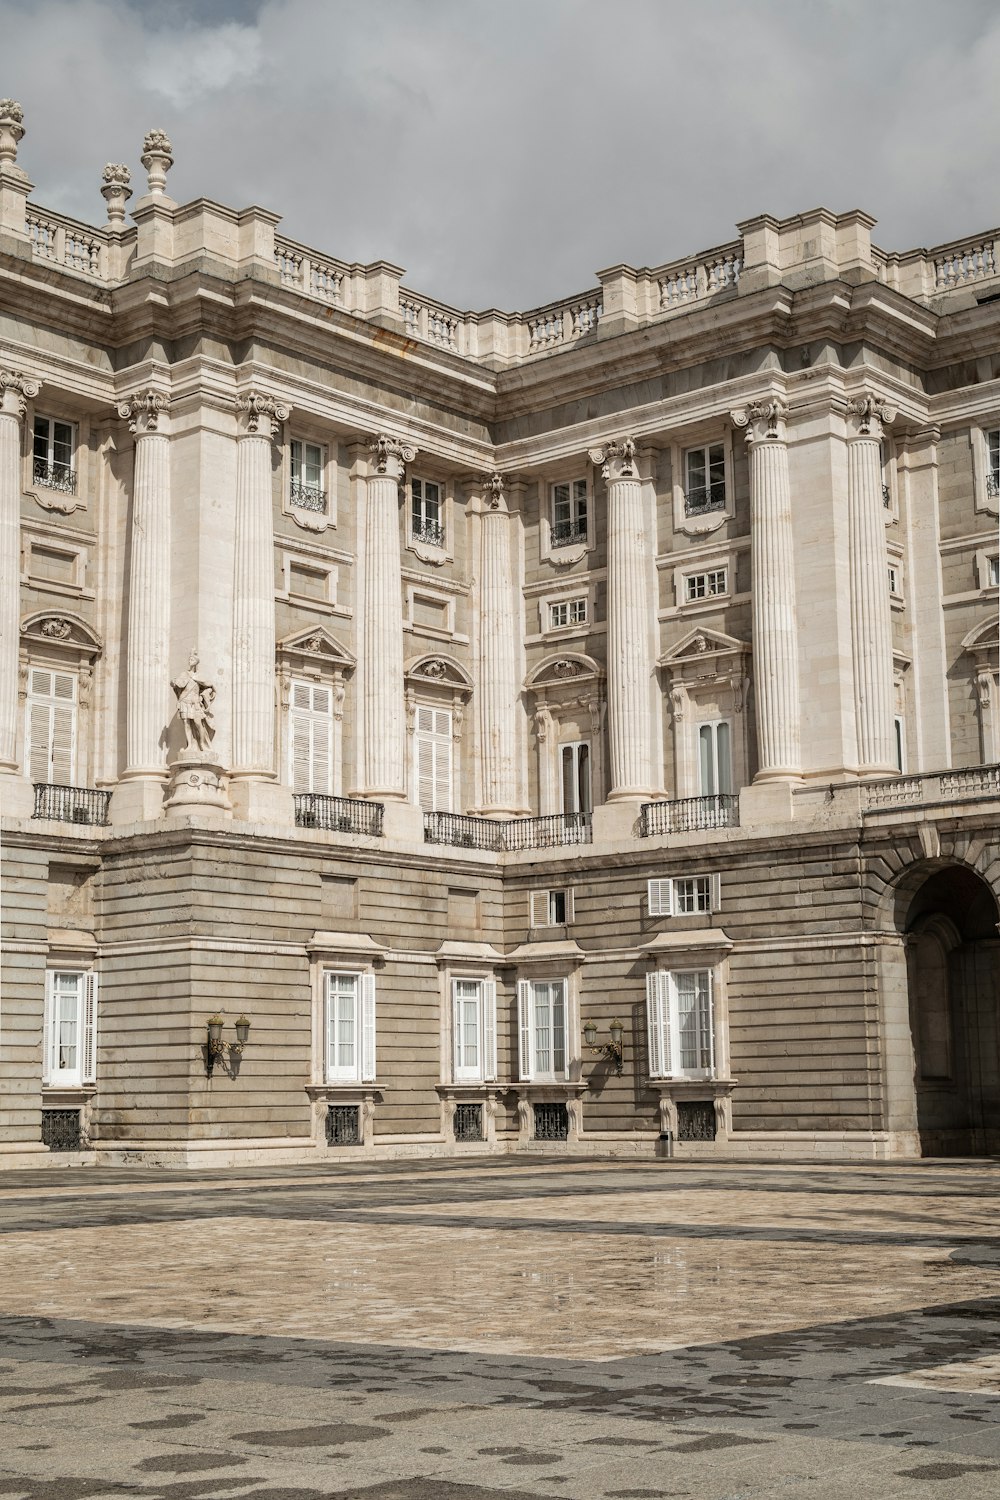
column 507, row 1328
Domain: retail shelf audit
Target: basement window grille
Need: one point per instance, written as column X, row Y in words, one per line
column 61, row 1130
column 695, row 1120
column 343, row 1125
column 551, row 1122
column 468, row 1122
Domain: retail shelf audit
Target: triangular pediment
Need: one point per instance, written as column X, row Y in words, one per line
column 320, row 644
column 703, row 645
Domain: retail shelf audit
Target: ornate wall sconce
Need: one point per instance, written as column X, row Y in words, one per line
column 612, row 1051
column 242, row 1033
column 216, row 1050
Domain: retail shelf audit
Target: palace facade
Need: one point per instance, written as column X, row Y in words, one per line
column 425, row 731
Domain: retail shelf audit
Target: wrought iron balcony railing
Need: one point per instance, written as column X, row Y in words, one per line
column 700, row 502
column 689, row 815
column 500, row 835
column 60, row 477
column 71, row 804
column 338, row 814
column 565, row 533
column 307, row 496
column 431, row 532
column 463, row 831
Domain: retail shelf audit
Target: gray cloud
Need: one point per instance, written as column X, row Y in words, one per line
column 503, row 150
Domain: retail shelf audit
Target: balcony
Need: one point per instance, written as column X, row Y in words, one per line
column 59, row 477
column 338, row 814
column 970, row 784
column 567, row 533
column 501, row 836
column 71, row 804
column 307, row 496
column 431, row 533
column 689, row 815
column 464, row 832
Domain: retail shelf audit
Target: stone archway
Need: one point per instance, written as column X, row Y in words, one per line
column 949, row 923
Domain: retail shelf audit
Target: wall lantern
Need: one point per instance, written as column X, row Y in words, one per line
column 242, row 1033
column 612, row 1051
column 215, row 1051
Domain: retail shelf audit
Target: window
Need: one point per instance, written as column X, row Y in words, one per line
column 899, row 742
column 551, row 908
column 474, row 1030
column 575, row 776
column 349, row 1027
column 567, row 612
column 895, row 581
column 70, row 1026
column 680, row 1022
column 432, row 752
column 310, row 736
column 542, row 1008
column 683, row 896
column 50, row 726
column 993, row 463
column 714, row 758
column 53, row 455
column 993, row 571
column 426, row 521
column 706, row 585
column 705, row 487
column 569, row 513
column 308, row 464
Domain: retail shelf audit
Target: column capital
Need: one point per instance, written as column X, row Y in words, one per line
column 390, row 455
column 615, row 458
column 764, row 420
column 494, row 498
column 16, row 390
column 868, row 416
column 142, row 410
column 260, row 415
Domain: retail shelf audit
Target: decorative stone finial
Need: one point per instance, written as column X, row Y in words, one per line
column 157, row 158
column 11, row 131
column 115, row 191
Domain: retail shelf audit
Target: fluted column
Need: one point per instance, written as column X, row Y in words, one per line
column 147, row 658
column 14, row 389
column 775, row 633
column 497, row 687
column 629, row 654
column 871, row 618
column 381, row 670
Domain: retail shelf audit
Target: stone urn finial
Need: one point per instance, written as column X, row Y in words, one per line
column 11, row 131
column 157, row 158
column 115, row 191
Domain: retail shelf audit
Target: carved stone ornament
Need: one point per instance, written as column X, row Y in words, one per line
column 56, row 629
column 142, row 410
column 764, row 414
column 157, row 157
column 566, row 669
column 313, row 645
column 16, row 390
column 11, row 132
column 436, row 669
column 116, row 190
column 493, row 490
column 383, row 448
column 872, row 414
column 622, row 449
column 259, row 407
column 194, row 706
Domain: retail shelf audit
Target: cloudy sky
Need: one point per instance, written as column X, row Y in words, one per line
column 504, row 150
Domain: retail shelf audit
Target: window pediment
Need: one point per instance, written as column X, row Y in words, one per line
column 316, row 644
column 710, row 653
column 60, row 631
column 433, row 669
column 568, row 669
column 983, row 644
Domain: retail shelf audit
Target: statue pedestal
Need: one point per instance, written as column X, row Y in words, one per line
column 197, row 784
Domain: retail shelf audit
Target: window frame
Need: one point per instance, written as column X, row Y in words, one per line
column 576, row 746
column 527, row 1032
column 662, row 898
column 363, row 1069
column 705, row 450
column 484, row 1069
column 986, row 466
column 703, row 522
column 714, row 724
column 50, row 464
column 313, row 716
column 544, row 904
column 663, row 1025
column 52, row 703
column 438, row 539
column 320, row 491
column 84, row 1071
column 436, row 740
column 581, row 539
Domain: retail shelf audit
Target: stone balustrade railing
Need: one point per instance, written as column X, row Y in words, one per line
column 695, row 278
column 972, row 782
column 67, row 242
column 956, row 266
column 313, row 275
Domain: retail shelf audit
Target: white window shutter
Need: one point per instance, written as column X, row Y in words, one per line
column 301, row 752
column 321, row 769
column 659, row 894
column 656, row 1022
column 562, row 986
column 39, row 740
column 425, row 773
column 456, row 1033
column 63, row 736
column 48, row 1027
column 328, row 1024
column 539, row 913
column 489, row 1030
column 716, row 892
column 707, row 1019
column 569, row 904
column 88, row 1030
column 442, row 772
column 368, row 1028
column 525, row 1031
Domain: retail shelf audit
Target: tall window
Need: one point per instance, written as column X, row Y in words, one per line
column 569, row 513
column 308, row 463
column 993, row 462
column 311, row 737
column 50, row 726
column 715, row 757
column 705, row 479
column 474, row 1030
column 542, row 1007
column 680, row 1019
column 54, row 455
column 433, row 752
column 70, row 1026
column 426, row 522
column 575, row 776
column 349, row 1027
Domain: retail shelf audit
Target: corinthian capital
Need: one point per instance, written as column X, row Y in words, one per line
column 493, row 495
column 763, row 420
column 389, row 451
column 261, row 415
column 870, row 415
column 616, row 459
column 15, row 391
column 142, row 411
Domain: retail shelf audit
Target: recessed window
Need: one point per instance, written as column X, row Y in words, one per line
column 993, row 571
column 310, row 734
column 715, row 758
column 54, row 453
column 349, row 1027
column 551, row 908
column 895, row 581
column 70, row 1028
column 542, row 1007
column 426, row 518
column 993, row 463
column 899, row 742
column 50, row 726
column 308, row 462
column 706, row 585
column 574, row 762
column 681, row 896
column 474, row 1029
column 569, row 513
column 567, row 612
column 432, row 748
column 705, row 479
column 680, row 1018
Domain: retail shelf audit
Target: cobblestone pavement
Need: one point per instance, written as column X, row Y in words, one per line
column 503, row 1329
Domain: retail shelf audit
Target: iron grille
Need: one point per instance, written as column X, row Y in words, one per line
column 307, row 496
column 464, row 832
column 61, row 1129
column 497, row 834
column 565, row 533
column 468, row 1122
column 431, row 532
column 338, row 814
column 343, row 1125
column 551, row 1122
column 700, row 502
column 695, row 1120
column 689, row 814
column 71, row 804
column 54, row 476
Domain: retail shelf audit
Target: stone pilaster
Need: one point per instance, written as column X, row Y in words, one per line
column 254, row 791
column 14, row 390
column 775, row 634
column 139, row 795
column 630, row 664
column 497, row 685
column 381, row 666
column 871, row 619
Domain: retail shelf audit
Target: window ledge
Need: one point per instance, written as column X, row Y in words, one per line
column 558, row 949
column 67, row 1093
column 471, row 1090
column 347, row 1092
column 676, row 944
column 690, row 1088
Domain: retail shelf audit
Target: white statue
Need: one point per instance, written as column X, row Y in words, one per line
column 194, row 706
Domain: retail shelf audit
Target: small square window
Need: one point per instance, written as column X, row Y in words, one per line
column 705, row 479
column 308, row 461
column 569, row 513
column 708, row 585
column 567, row 612
column 894, row 581
column 693, row 894
column 426, row 518
column 551, row 908
column 54, row 455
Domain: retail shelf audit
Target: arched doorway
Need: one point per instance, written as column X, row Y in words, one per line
column 953, row 977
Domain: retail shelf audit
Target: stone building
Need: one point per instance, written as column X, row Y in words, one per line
column 431, row 731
